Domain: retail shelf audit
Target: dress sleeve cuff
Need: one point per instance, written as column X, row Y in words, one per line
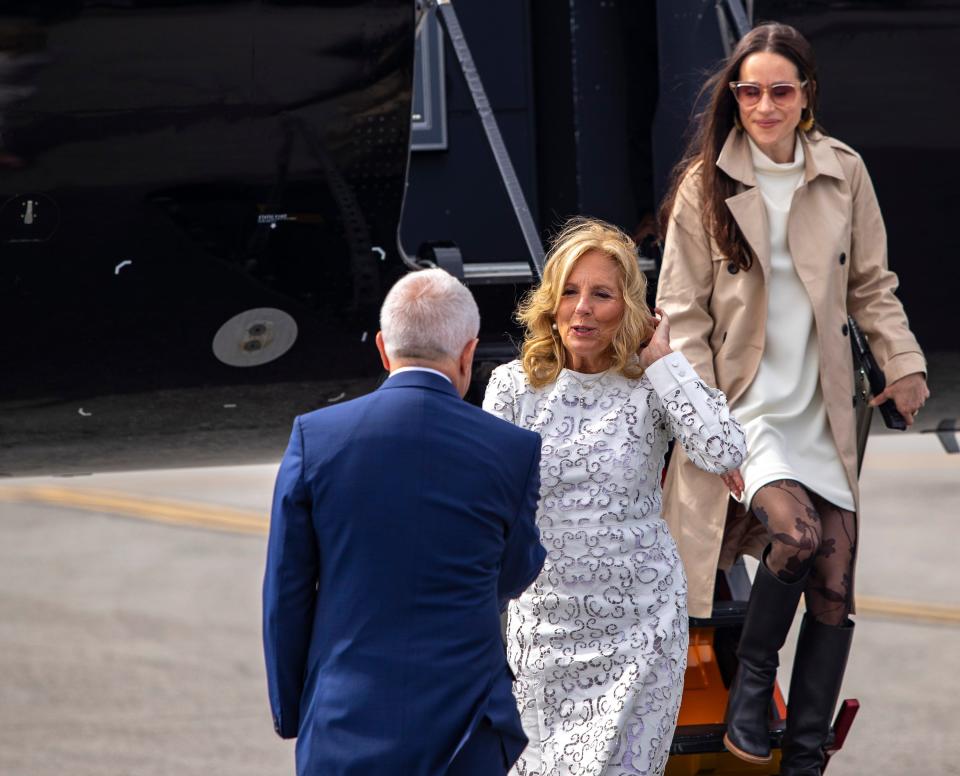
column 669, row 372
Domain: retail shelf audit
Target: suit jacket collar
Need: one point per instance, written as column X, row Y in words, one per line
column 819, row 158
column 418, row 379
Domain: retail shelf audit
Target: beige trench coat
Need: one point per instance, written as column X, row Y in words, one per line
column 717, row 319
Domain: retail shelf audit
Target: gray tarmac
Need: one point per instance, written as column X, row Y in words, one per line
column 130, row 632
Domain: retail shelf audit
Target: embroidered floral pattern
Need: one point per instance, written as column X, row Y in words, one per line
column 599, row 642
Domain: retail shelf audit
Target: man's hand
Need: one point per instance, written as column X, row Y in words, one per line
column 734, row 482
column 909, row 393
column 658, row 345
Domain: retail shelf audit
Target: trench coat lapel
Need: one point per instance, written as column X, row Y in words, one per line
column 751, row 216
column 818, row 220
column 819, row 158
column 746, row 207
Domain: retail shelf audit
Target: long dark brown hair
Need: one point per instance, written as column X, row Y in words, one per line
column 713, row 125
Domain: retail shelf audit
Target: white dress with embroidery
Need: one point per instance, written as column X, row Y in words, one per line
column 599, row 642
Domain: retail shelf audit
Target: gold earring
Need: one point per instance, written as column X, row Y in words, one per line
column 807, row 124
column 736, row 121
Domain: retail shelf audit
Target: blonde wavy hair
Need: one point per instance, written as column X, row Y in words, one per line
column 543, row 354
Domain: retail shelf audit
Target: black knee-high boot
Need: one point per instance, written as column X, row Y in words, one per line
column 818, row 668
column 769, row 615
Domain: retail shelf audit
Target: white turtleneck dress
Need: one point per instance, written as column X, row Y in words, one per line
column 782, row 412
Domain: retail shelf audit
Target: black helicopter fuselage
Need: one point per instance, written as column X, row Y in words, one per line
column 167, row 167
column 202, row 201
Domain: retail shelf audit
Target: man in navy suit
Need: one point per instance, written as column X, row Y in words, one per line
column 402, row 522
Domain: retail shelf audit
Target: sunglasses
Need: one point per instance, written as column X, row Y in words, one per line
column 784, row 93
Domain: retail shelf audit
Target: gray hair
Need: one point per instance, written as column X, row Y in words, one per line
column 428, row 315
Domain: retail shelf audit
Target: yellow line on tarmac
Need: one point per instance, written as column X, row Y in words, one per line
column 217, row 518
column 239, row 521
column 908, row 610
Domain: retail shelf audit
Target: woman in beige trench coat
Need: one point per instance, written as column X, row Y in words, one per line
column 774, row 235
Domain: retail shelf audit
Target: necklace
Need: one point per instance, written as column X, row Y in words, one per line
column 586, row 383
column 586, row 379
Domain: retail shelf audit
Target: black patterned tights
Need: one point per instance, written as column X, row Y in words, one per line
column 808, row 532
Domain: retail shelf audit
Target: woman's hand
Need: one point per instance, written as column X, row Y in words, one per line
column 908, row 393
column 658, row 345
column 734, row 482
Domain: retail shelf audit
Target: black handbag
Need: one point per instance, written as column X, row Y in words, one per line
column 868, row 380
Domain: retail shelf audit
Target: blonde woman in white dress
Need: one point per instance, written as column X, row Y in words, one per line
column 599, row 642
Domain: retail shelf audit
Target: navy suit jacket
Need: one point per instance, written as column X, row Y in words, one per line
column 402, row 521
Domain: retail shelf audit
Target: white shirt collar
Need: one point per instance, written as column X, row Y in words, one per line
column 420, row 369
